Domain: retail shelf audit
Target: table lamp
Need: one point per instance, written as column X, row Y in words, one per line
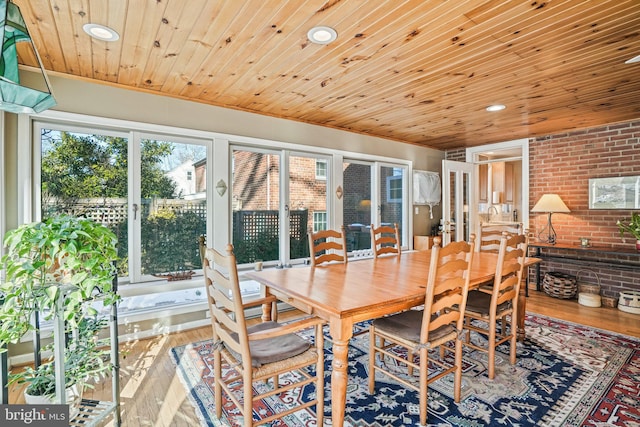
column 549, row 203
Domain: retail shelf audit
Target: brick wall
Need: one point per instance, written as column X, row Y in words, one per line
column 563, row 164
column 357, row 188
column 459, row 155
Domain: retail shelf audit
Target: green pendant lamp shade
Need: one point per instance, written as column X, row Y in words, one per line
column 15, row 97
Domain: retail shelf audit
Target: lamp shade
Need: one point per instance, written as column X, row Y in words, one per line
column 550, row 203
column 15, row 97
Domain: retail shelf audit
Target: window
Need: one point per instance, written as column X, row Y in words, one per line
column 393, row 196
column 363, row 206
column 394, row 189
column 256, row 205
column 275, row 200
column 357, row 204
column 321, row 169
column 319, row 221
column 155, row 212
column 173, row 213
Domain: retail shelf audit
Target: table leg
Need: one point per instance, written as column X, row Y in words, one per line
column 538, row 287
column 341, row 332
column 269, row 311
column 522, row 306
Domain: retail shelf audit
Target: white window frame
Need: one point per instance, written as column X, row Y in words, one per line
column 322, row 215
column 391, row 190
column 322, row 176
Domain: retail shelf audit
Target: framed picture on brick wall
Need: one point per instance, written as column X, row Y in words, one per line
column 621, row 192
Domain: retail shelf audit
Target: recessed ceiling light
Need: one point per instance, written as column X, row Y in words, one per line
column 496, row 107
column 101, row 32
column 322, row 35
column 632, row 60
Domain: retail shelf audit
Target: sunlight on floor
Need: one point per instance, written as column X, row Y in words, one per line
column 170, row 407
column 145, row 362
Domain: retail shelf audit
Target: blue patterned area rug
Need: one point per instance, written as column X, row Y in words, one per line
column 566, row 375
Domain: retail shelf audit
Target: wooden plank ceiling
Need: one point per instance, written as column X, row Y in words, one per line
column 416, row 71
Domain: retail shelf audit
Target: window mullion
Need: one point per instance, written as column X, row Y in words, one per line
column 220, row 205
column 335, row 179
column 285, row 208
column 135, row 207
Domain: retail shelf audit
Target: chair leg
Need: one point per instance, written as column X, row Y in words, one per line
column 492, row 348
column 457, row 378
column 247, row 391
column 513, row 340
column 217, row 374
column 411, row 358
column 320, row 377
column 466, row 322
column 424, row 378
column 372, row 360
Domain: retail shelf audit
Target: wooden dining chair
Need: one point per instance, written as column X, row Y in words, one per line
column 490, row 235
column 501, row 304
column 385, row 240
column 257, row 353
column 403, row 335
column 328, row 246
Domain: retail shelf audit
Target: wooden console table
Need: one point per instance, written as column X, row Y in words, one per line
column 627, row 258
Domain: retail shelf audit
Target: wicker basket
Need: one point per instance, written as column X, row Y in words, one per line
column 629, row 302
column 560, row 285
column 588, row 293
column 585, row 287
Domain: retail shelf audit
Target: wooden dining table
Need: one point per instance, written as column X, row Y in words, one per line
column 344, row 294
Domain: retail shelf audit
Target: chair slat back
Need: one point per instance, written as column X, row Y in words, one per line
column 385, row 240
column 327, row 246
column 510, row 267
column 490, row 235
column 225, row 301
column 447, row 285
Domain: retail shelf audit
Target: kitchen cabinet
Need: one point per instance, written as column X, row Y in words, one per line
column 483, row 183
column 509, row 184
column 503, row 181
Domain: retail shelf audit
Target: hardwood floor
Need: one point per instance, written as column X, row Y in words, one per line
column 152, row 394
column 607, row 318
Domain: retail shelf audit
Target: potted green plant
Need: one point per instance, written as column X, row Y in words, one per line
column 631, row 226
column 60, row 265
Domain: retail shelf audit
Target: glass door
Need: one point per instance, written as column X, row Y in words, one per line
column 172, row 213
column 255, row 205
column 278, row 197
column 307, row 205
column 392, row 192
column 357, row 204
column 456, row 199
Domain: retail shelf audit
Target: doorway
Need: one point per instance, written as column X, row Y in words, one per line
column 501, row 183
